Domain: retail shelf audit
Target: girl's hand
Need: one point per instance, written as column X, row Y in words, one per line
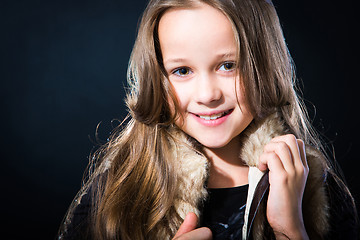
column 188, row 230
column 285, row 158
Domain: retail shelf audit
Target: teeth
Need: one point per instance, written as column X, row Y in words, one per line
column 212, row 117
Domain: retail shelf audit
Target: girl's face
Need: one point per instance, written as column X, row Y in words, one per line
column 199, row 54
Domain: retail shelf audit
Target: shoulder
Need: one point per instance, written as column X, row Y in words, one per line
column 343, row 218
column 328, row 206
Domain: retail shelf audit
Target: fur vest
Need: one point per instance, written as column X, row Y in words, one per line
column 193, row 173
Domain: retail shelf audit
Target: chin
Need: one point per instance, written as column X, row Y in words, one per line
column 214, row 143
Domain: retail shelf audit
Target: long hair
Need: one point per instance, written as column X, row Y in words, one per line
column 134, row 179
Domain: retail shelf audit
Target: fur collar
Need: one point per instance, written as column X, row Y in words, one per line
column 193, row 171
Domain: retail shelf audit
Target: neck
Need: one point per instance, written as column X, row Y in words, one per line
column 226, row 168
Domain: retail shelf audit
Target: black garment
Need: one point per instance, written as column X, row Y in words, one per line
column 343, row 216
column 224, row 211
column 344, row 220
column 79, row 227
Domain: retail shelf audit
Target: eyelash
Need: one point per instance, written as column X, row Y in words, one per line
column 177, row 71
column 233, row 65
column 188, row 70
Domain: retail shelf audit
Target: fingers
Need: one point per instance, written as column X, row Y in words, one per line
column 197, row 234
column 284, row 153
column 285, row 158
column 189, row 224
column 271, row 161
column 188, row 230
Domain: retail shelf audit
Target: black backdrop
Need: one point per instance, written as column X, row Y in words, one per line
column 63, row 68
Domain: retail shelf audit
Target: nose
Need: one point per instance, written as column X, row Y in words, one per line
column 208, row 90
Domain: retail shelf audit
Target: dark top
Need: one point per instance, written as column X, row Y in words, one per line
column 224, row 211
column 79, row 226
column 344, row 220
column 224, row 208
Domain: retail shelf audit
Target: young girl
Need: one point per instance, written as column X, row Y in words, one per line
column 217, row 144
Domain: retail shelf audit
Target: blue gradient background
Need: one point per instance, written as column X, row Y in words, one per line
column 63, row 69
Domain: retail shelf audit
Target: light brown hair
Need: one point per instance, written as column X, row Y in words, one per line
column 134, row 180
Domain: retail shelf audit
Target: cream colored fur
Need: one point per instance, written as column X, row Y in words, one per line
column 193, row 172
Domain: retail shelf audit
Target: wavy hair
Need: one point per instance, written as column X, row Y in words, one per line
column 133, row 182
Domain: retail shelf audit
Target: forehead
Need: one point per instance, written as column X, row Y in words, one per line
column 195, row 29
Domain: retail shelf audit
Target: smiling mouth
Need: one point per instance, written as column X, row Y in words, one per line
column 214, row 116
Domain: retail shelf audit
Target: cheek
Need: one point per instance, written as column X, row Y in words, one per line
column 179, row 97
column 243, row 103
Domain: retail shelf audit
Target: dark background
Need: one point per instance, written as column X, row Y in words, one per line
column 63, row 68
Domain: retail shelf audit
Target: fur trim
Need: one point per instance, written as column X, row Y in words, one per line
column 257, row 135
column 193, row 172
column 315, row 203
column 315, row 200
column 254, row 139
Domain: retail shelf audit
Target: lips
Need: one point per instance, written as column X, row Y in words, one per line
column 213, row 116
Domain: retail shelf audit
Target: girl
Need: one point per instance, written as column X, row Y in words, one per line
column 217, row 144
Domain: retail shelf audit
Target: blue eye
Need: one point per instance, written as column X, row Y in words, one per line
column 228, row 66
column 183, row 71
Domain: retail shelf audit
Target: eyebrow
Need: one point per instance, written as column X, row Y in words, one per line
column 226, row 55
column 218, row 56
column 174, row 60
